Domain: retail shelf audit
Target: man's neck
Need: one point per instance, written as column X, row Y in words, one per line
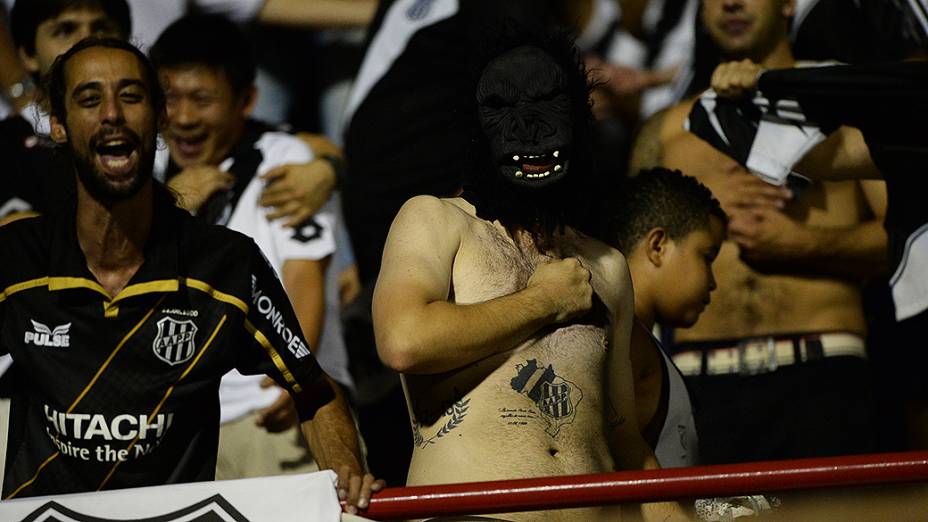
column 644, row 314
column 644, row 309
column 779, row 57
column 112, row 236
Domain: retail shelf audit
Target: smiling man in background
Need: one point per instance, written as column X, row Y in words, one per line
column 217, row 159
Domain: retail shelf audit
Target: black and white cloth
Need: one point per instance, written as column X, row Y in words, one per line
column 797, row 107
column 766, row 137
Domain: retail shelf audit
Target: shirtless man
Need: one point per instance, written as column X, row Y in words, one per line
column 788, row 282
column 509, row 325
column 896, row 142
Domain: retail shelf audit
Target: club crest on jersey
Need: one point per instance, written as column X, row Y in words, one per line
column 42, row 335
column 174, row 343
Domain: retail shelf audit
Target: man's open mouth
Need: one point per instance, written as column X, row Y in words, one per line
column 190, row 146
column 116, row 155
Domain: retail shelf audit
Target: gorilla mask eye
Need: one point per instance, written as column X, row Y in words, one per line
column 495, row 102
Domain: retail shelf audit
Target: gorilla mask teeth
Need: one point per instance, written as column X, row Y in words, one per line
column 556, row 153
column 519, row 173
column 536, row 163
column 516, row 158
column 557, row 168
column 535, row 176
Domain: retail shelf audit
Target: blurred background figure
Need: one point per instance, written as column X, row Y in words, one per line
column 776, row 375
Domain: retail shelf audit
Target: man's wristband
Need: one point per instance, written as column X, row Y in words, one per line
column 338, row 165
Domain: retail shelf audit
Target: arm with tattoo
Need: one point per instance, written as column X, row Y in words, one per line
column 419, row 331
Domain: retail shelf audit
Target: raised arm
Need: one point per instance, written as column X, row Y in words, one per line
column 318, row 13
column 419, row 331
column 843, row 155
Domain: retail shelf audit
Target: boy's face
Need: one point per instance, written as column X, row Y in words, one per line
column 205, row 118
column 686, row 275
column 55, row 36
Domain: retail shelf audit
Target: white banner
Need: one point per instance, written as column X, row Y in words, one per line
column 309, row 497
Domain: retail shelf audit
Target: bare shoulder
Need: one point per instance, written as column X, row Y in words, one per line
column 425, row 226
column 674, row 119
column 431, row 211
column 461, row 204
column 592, row 249
column 611, row 278
column 619, row 278
column 655, row 133
column 425, row 204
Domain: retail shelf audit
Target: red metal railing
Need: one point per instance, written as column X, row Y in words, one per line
column 534, row 494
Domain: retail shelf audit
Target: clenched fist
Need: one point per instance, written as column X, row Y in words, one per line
column 195, row 185
column 736, row 79
column 564, row 285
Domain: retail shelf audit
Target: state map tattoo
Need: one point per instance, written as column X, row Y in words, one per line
column 556, row 397
column 456, row 411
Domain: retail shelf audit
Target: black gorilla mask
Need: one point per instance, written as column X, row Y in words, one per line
column 525, row 113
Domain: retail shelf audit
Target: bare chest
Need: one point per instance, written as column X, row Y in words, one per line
column 490, row 264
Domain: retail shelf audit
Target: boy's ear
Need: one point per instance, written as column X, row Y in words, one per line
column 58, row 131
column 655, row 245
column 28, row 60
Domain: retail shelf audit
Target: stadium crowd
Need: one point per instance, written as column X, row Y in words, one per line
column 437, row 241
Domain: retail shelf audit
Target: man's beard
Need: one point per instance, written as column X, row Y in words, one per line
column 98, row 184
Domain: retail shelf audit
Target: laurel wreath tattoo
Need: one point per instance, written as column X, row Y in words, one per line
column 457, row 412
